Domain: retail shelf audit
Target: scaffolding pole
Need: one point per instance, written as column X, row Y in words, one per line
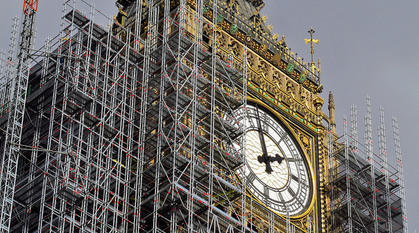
column 347, row 174
column 370, row 159
column 354, row 129
column 384, row 169
column 399, row 161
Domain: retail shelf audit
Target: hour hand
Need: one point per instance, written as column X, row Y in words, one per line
column 265, row 160
column 277, row 158
column 261, row 159
column 268, row 168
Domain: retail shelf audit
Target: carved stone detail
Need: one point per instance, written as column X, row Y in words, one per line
column 221, row 39
column 235, row 48
column 306, row 143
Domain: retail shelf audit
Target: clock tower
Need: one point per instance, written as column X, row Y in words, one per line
column 236, row 138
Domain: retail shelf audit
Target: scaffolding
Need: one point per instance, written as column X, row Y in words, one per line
column 15, row 102
column 366, row 190
column 134, row 128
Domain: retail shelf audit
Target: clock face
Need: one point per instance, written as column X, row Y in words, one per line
column 276, row 172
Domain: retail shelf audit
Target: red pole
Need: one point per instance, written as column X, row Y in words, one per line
column 30, row 6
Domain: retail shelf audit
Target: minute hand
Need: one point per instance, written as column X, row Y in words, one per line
column 264, row 158
column 261, row 137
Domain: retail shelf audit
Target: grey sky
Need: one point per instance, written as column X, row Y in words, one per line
column 367, row 47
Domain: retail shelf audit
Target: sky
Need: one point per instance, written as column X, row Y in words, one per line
column 366, row 47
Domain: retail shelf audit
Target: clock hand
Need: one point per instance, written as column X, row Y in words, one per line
column 277, row 158
column 264, row 157
column 270, row 159
column 261, row 137
column 268, row 167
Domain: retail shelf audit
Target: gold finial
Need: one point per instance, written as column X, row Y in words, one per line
column 275, row 36
column 264, row 18
column 270, row 27
column 282, row 43
column 314, row 68
column 311, row 41
column 319, row 67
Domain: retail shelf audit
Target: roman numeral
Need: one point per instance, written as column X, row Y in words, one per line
column 252, row 124
column 294, row 160
column 266, row 122
column 292, row 192
column 251, row 177
column 280, row 197
column 283, row 136
column 294, row 177
column 266, row 192
column 300, row 201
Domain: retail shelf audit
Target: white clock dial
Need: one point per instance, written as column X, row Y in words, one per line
column 278, row 175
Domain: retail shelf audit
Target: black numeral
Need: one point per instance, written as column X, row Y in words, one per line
column 251, row 177
column 291, row 192
column 294, row 177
